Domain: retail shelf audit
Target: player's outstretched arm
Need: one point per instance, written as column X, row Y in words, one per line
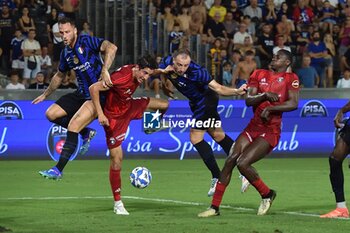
column 109, row 50
column 254, row 99
column 167, row 90
column 287, row 106
column 227, row 91
column 95, row 97
column 54, row 84
column 338, row 119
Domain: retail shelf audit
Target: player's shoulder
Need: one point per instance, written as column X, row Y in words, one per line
column 291, row 75
column 168, row 60
column 260, row 73
column 122, row 71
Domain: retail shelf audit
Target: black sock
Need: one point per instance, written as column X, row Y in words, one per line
column 226, row 144
column 68, row 149
column 62, row 121
column 206, row 153
column 215, row 208
column 337, row 179
column 84, row 131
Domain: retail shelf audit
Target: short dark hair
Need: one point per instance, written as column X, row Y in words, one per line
column 288, row 54
column 14, row 72
column 65, row 20
column 147, row 61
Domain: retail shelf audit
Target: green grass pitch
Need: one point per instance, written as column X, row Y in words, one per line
column 82, row 201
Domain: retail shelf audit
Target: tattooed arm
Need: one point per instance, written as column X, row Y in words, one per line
column 109, row 50
column 54, row 84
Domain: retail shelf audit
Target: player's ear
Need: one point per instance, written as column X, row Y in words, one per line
column 75, row 30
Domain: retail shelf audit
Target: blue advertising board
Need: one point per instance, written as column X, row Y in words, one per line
column 26, row 133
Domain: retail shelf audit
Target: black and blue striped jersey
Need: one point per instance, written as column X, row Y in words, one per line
column 85, row 60
column 194, row 85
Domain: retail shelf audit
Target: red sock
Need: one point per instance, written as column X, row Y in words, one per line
column 116, row 183
column 261, row 187
column 219, row 193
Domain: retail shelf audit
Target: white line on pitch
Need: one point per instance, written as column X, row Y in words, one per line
column 157, row 200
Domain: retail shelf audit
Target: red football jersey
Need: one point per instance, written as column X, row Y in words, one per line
column 119, row 96
column 280, row 83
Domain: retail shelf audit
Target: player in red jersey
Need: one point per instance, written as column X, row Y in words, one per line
column 270, row 94
column 120, row 108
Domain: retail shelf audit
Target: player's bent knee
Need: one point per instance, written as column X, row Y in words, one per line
column 50, row 115
column 242, row 164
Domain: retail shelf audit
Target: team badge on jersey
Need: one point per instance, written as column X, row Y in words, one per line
column 173, row 75
column 75, row 59
column 280, row 79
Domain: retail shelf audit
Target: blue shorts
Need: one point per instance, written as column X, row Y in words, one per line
column 240, row 82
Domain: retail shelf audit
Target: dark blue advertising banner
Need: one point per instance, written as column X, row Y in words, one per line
column 26, row 133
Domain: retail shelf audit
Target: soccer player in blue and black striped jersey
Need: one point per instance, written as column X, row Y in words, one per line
column 75, row 111
column 194, row 82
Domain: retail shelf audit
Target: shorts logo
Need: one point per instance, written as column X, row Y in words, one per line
column 56, row 137
column 10, row 111
column 112, row 141
column 295, row 84
column 314, row 108
column 151, row 120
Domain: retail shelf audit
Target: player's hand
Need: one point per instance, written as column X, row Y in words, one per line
column 272, row 97
column 265, row 115
column 168, row 69
column 338, row 119
column 106, row 79
column 242, row 89
column 39, row 99
column 102, row 119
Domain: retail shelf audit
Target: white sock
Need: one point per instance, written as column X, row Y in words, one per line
column 118, row 202
column 341, row 204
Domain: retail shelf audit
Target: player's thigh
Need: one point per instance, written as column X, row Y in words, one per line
column 155, row 104
column 341, row 149
column 217, row 134
column 255, row 151
column 84, row 116
column 55, row 111
column 197, row 135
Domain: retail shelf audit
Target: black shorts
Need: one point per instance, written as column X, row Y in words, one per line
column 71, row 102
column 344, row 133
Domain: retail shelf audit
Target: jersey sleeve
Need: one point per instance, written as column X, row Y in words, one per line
column 253, row 80
column 201, row 74
column 293, row 84
column 164, row 62
column 63, row 66
column 94, row 43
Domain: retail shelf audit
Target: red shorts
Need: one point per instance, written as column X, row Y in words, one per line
column 251, row 134
column 116, row 131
